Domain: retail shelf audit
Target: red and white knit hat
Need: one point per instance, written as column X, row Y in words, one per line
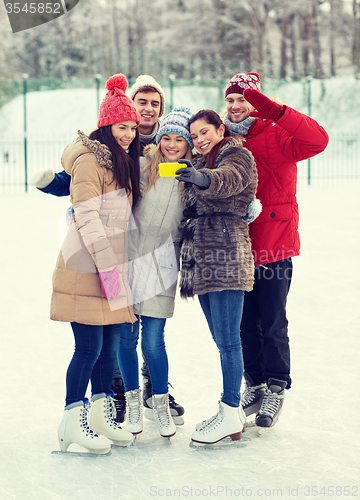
column 242, row 81
column 116, row 106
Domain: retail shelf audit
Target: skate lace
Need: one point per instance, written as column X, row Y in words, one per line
column 271, row 403
column 84, row 420
column 110, row 411
column 172, row 402
column 119, row 404
column 211, row 423
column 134, row 407
column 249, row 394
column 162, row 412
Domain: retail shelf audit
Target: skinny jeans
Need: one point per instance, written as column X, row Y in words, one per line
column 95, row 352
column 223, row 311
column 153, row 342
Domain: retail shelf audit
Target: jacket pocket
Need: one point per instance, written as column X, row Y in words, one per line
column 274, row 214
column 225, row 231
column 166, row 258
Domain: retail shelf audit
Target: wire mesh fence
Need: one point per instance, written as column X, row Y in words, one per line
column 338, row 165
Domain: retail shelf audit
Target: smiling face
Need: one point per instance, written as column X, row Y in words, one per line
column 237, row 107
column 124, row 133
column 148, row 105
column 205, row 135
column 173, row 146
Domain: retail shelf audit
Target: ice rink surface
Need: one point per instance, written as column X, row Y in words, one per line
column 313, row 452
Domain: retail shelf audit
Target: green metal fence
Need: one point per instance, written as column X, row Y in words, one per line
column 338, row 165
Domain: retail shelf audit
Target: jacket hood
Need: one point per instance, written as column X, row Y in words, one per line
column 83, row 145
column 149, row 150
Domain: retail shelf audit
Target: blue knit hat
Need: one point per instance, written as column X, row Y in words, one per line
column 176, row 122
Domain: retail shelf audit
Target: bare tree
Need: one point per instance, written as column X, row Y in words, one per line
column 356, row 36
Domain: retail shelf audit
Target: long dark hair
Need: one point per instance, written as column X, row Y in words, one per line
column 212, row 118
column 126, row 165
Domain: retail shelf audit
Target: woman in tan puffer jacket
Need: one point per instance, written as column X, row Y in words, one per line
column 90, row 288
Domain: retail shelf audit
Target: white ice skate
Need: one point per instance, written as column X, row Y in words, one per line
column 177, row 411
column 228, row 422
column 163, row 418
column 134, row 411
column 102, row 420
column 74, row 429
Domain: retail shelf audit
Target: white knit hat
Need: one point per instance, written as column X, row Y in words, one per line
column 143, row 81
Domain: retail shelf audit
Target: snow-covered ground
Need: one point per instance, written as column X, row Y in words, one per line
column 313, row 452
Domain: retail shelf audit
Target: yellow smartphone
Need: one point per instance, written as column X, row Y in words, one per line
column 169, row 169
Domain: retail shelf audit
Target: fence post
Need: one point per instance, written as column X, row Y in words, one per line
column 309, row 78
column 97, row 81
column 171, row 85
column 25, row 78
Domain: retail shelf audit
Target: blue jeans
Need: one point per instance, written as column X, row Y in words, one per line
column 94, row 357
column 152, row 335
column 223, row 312
column 144, row 368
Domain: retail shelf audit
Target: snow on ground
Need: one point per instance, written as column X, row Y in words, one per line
column 313, row 452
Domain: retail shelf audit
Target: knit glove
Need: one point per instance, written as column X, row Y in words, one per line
column 265, row 107
column 189, row 174
column 110, row 283
column 42, row 178
column 253, row 211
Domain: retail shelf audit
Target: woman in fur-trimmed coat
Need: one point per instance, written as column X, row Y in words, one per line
column 217, row 263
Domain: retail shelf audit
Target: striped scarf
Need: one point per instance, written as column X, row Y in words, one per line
column 241, row 128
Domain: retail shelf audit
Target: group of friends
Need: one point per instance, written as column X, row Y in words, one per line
column 228, row 220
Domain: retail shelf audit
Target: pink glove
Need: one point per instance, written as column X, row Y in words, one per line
column 110, row 283
column 265, row 107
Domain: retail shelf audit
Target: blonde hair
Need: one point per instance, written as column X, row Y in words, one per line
column 154, row 155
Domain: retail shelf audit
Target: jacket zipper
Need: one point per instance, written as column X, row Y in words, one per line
column 225, row 231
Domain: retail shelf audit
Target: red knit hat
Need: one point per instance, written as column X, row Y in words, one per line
column 242, row 81
column 116, row 107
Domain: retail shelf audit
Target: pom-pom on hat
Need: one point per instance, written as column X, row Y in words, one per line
column 116, row 107
column 242, row 81
column 176, row 122
column 143, row 82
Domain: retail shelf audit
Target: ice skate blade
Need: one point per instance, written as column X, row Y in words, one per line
column 260, row 430
column 80, row 453
column 168, row 438
column 219, row 445
column 263, row 430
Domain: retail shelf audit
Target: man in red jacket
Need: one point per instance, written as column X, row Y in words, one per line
column 278, row 137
